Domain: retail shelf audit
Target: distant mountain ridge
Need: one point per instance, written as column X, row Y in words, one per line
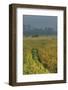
column 31, row 31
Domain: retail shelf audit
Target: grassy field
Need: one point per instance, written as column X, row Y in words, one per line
column 40, row 55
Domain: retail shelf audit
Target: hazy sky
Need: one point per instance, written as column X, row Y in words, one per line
column 40, row 21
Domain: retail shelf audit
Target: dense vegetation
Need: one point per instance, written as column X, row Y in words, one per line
column 40, row 55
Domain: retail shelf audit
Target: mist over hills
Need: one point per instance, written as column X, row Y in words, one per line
column 31, row 31
column 39, row 25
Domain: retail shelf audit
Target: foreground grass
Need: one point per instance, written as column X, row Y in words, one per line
column 45, row 60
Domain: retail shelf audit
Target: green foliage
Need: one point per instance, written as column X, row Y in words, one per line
column 40, row 55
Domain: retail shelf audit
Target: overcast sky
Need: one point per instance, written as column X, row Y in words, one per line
column 40, row 21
